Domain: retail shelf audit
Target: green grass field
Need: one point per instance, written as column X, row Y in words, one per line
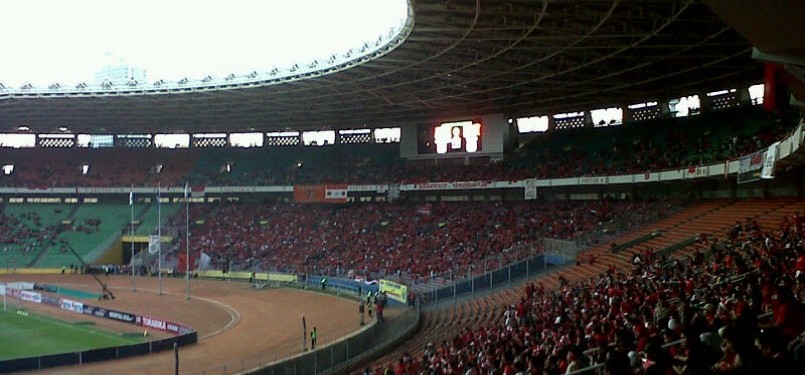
column 34, row 335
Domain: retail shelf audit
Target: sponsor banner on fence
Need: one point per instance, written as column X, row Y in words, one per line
column 395, row 291
column 95, row 311
column 335, row 193
column 162, row 325
column 320, row 194
column 596, row 180
column 769, row 161
column 30, row 296
column 365, row 188
column 121, row 316
column 71, row 305
column 530, row 189
column 457, row 185
column 749, row 167
column 52, row 301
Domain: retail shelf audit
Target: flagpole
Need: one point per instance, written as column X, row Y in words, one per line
column 159, row 234
column 131, row 261
column 187, row 240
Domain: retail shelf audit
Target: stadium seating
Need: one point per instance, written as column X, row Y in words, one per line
column 638, row 305
column 91, row 226
column 25, row 229
column 412, row 242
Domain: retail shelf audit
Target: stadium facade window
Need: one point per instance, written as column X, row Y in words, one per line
column 685, row 106
column 318, row 138
column 569, row 120
column 246, row 140
column 8, row 169
column 172, row 140
column 209, row 140
column 134, row 140
column 56, row 140
column 354, row 136
column 17, row 140
column 607, row 116
column 387, row 135
column 287, row 138
column 644, row 111
column 756, row 93
column 723, row 99
column 533, row 124
column 95, row 140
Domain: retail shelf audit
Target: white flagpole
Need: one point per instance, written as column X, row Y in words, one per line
column 187, row 239
column 159, row 234
column 131, row 261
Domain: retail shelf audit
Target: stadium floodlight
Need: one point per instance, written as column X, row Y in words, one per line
column 63, row 129
column 23, row 128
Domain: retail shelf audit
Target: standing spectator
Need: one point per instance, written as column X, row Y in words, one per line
column 313, row 336
column 361, row 309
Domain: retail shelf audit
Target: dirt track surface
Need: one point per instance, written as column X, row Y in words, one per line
column 239, row 327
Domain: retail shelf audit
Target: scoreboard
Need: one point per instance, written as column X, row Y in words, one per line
column 477, row 136
column 450, row 137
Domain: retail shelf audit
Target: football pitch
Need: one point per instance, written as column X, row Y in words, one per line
column 25, row 334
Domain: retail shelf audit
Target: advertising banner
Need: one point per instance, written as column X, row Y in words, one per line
column 749, row 167
column 395, row 291
column 320, row 193
column 30, row 296
column 52, row 301
column 769, row 161
column 121, row 316
column 458, row 185
column 71, row 305
column 162, row 325
column 530, row 189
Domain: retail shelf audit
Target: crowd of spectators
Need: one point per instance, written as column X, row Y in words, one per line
column 41, row 168
column 702, row 314
column 409, row 240
column 24, row 233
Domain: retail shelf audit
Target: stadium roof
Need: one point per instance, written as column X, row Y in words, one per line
column 461, row 59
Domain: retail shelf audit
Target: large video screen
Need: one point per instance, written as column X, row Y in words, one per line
column 449, row 137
